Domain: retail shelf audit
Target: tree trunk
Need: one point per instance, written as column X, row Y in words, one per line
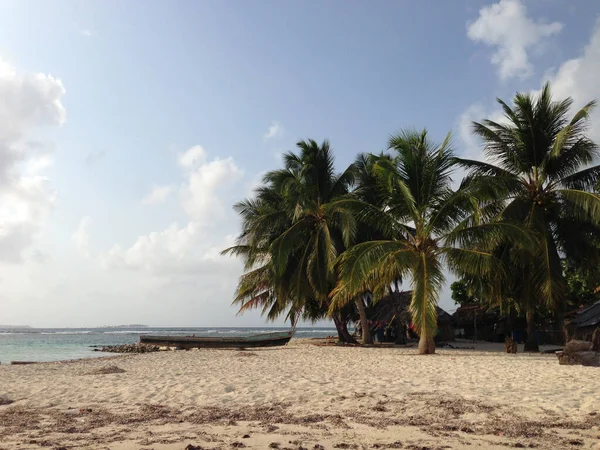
column 426, row 345
column 560, row 325
column 596, row 340
column 531, row 345
column 342, row 329
column 400, row 332
column 367, row 338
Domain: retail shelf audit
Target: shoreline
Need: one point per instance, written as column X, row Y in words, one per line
column 61, row 344
column 301, row 396
column 328, row 341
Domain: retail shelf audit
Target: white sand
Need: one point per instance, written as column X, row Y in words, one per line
column 369, row 397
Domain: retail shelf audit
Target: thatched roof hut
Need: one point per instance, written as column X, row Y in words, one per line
column 581, row 323
column 393, row 309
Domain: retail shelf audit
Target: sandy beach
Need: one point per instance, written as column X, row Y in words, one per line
column 302, row 396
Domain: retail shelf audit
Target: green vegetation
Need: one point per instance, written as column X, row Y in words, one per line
column 520, row 230
column 301, row 220
column 539, row 179
column 462, row 294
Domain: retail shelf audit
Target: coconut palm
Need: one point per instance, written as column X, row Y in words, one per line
column 539, row 175
column 367, row 191
column 263, row 219
column 423, row 220
column 300, row 222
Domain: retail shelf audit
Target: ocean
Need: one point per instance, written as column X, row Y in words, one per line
column 58, row 344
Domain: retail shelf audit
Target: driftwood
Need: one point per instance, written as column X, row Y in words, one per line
column 577, row 346
column 588, row 358
column 579, row 353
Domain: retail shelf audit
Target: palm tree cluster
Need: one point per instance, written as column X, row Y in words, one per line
column 314, row 241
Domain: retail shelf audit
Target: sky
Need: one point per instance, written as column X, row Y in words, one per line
column 128, row 129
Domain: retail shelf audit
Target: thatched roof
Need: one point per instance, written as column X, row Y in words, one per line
column 466, row 314
column 395, row 305
column 588, row 316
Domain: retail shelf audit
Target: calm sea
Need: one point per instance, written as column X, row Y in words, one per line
column 57, row 344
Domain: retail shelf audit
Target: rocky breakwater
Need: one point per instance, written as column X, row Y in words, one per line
column 129, row 348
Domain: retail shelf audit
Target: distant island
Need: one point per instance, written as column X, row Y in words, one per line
column 14, row 327
column 133, row 325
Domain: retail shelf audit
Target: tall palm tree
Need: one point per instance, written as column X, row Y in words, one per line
column 367, row 191
column 423, row 220
column 538, row 175
column 301, row 221
column 264, row 218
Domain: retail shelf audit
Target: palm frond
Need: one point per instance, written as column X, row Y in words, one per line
column 581, row 205
column 584, row 180
column 371, row 266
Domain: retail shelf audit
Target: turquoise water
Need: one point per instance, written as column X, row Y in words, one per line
column 57, row 344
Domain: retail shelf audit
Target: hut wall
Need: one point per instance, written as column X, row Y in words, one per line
column 584, row 333
column 447, row 332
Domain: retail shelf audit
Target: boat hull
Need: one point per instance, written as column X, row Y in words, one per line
column 187, row 342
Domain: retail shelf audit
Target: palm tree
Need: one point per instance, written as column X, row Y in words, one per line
column 423, row 220
column 367, row 191
column 300, row 222
column 263, row 219
column 538, row 175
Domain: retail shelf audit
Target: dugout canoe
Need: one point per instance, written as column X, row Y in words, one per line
column 187, row 342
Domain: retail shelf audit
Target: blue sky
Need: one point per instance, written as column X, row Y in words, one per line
column 103, row 217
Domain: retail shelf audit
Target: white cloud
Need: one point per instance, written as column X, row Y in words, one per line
column 86, row 32
column 175, row 250
column 192, row 157
column 158, row 195
column 506, row 27
column 200, row 193
column 28, row 101
column 578, row 78
column 37, row 165
column 81, row 236
column 25, row 206
column 575, row 78
column 194, row 247
column 157, row 250
column 275, row 130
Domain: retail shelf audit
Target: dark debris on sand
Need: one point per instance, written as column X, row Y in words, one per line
column 128, row 348
column 436, row 415
column 275, row 413
column 244, row 354
column 107, row 370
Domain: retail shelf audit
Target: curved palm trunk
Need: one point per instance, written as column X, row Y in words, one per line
column 367, row 338
column 341, row 325
column 531, row 345
column 342, row 329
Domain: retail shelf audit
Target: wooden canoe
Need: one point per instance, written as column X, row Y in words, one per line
column 186, row 342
